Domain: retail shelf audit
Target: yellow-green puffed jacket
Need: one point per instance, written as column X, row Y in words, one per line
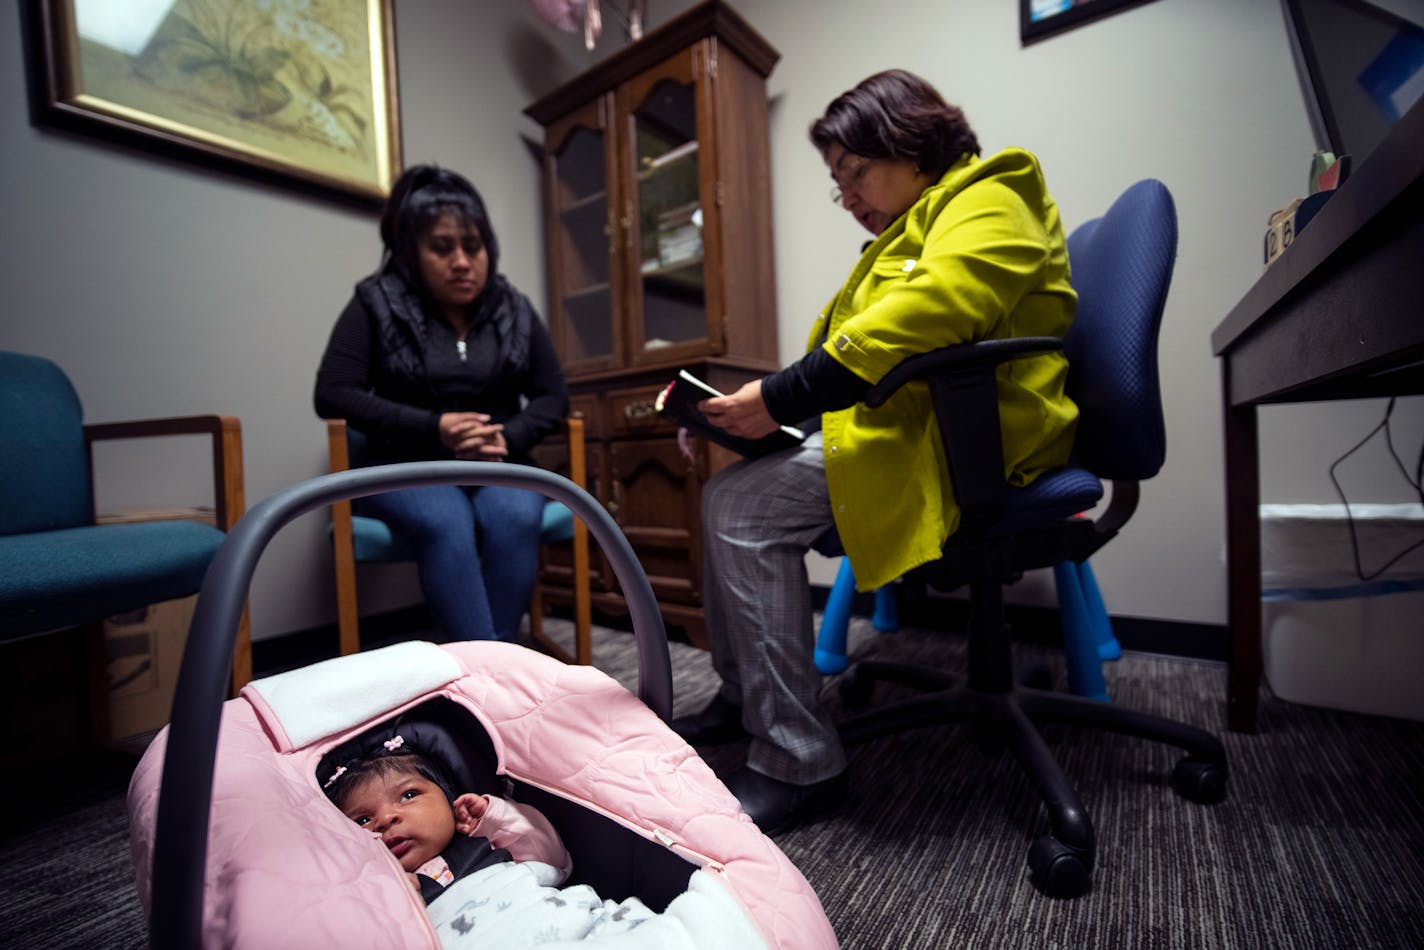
column 980, row 255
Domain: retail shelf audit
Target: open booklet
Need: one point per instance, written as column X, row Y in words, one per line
column 679, row 403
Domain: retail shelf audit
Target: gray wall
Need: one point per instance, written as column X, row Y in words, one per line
column 165, row 288
column 1202, row 94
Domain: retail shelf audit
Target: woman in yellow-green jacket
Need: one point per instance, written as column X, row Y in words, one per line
column 966, row 249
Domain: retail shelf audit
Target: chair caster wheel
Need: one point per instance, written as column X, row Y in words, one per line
column 1060, row 871
column 855, row 689
column 1200, row 781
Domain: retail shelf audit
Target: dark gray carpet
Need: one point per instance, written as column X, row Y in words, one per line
column 1319, row 844
column 65, row 876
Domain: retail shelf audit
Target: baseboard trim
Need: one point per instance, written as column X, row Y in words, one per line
column 1041, row 625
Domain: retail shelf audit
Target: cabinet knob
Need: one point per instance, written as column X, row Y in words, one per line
column 638, row 411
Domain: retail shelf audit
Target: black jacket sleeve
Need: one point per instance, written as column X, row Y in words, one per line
column 344, row 386
column 546, row 393
column 814, row 384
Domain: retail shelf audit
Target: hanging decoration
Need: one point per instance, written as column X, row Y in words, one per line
column 570, row 15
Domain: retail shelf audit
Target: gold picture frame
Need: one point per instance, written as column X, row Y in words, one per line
column 300, row 91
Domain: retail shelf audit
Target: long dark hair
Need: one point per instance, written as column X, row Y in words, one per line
column 896, row 114
column 419, row 197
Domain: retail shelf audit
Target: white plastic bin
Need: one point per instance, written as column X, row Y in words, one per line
column 1330, row 639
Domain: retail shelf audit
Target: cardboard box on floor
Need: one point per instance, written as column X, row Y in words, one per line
column 143, row 648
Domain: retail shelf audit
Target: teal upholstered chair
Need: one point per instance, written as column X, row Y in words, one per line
column 58, row 568
column 361, row 540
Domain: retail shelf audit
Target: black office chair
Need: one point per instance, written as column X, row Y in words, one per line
column 1122, row 265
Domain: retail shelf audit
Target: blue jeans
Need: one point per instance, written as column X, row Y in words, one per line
column 477, row 550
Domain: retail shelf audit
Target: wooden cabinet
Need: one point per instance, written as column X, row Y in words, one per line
column 658, row 221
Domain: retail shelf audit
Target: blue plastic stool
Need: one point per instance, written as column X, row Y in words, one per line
column 835, row 619
column 1087, row 632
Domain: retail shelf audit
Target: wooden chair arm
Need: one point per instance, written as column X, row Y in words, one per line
column 338, row 458
column 338, row 455
column 229, row 500
column 583, row 607
column 578, row 462
column 226, row 431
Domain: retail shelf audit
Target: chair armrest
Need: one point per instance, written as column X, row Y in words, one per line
column 582, row 652
column 578, row 461
column 228, row 492
column 960, row 358
column 338, row 458
column 226, row 432
column 583, row 604
column 965, row 396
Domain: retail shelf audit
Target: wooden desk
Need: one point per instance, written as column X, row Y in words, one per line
column 1339, row 315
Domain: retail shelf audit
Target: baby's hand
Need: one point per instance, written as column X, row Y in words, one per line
column 469, row 809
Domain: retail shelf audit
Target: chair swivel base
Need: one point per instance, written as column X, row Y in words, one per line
column 1062, row 860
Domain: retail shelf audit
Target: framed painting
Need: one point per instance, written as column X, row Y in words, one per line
column 300, row 90
column 1040, row 18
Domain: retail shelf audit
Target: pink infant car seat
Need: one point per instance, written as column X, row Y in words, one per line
column 234, row 844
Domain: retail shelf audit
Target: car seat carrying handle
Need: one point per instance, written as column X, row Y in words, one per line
column 181, row 829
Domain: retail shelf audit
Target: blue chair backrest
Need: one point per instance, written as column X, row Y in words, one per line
column 1122, row 268
column 44, row 468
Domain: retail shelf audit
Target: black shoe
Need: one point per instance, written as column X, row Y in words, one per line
column 778, row 806
column 720, row 721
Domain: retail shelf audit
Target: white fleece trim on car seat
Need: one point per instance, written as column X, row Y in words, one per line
column 328, row 697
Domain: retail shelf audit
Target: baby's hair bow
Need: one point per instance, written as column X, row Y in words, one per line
column 393, row 743
column 335, row 775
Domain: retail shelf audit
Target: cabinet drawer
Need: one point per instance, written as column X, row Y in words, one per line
column 632, row 412
column 656, row 498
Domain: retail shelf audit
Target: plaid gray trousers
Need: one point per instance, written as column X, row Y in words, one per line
column 759, row 518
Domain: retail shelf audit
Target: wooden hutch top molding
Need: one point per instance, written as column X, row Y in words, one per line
column 713, row 18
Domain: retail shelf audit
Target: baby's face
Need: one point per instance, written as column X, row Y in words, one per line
column 409, row 812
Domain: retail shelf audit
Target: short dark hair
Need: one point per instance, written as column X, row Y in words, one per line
column 339, row 785
column 418, row 199
column 896, row 114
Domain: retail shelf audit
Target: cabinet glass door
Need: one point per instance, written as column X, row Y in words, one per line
column 668, row 201
column 583, row 288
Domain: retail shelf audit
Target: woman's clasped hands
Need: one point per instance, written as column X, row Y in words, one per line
column 472, row 437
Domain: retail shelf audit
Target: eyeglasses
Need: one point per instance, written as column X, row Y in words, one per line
column 847, row 181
